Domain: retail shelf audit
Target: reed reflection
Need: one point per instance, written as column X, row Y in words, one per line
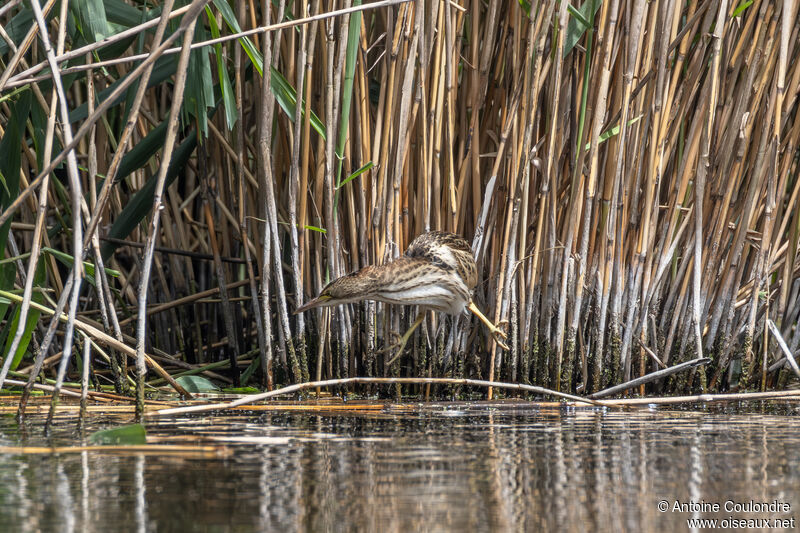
column 442, row 469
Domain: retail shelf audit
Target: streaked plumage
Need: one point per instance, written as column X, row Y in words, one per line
column 436, row 272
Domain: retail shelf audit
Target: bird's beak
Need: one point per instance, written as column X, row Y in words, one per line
column 316, row 302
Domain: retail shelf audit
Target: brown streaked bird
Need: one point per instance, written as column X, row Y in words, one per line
column 437, row 272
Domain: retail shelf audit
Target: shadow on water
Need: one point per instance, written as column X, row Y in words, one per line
column 438, row 467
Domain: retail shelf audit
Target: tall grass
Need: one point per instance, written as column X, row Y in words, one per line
column 627, row 174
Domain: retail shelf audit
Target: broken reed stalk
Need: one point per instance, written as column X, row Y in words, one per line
column 649, row 378
column 66, row 391
column 383, row 381
column 705, row 398
column 252, row 399
column 630, row 190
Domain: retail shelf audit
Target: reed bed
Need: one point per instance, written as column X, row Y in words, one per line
column 626, row 171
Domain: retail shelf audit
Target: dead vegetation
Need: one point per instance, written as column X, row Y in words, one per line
column 627, row 173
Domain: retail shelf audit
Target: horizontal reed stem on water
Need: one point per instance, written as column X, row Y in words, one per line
column 626, row 172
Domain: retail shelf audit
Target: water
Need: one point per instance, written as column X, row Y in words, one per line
column 438, row 467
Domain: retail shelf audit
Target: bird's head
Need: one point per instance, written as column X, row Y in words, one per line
column 350, row 288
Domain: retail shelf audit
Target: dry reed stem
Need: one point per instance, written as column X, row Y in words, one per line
column 676, row 235
column 347, row 381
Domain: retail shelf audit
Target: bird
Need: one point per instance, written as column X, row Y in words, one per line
column 437, row 272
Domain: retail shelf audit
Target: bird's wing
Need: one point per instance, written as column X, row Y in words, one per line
column 447, row 251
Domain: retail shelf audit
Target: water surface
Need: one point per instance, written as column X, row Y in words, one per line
column 413, row 467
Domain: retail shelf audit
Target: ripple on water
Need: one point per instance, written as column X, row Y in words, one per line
column 437, row 467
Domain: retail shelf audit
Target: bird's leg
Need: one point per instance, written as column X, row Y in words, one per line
column 496, row 332
column 401, row 342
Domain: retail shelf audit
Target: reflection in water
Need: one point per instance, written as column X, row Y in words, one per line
column 141, row 504
column 504, row 467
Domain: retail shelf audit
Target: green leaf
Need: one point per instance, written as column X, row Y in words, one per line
column 141, row 203
column 248, row 373
column 33, row 317
column 286, row 97
column 3, row 183
column 579, row 23
column 356, row 174
column 7, row 323
column 7, row 275
column 306, row 226
column 90, row 19
column 579, row 16
column 131, row 435
column 197, row 384
column 38, row 122
column 124, row 14
column 138, row 156
column 199, row 91
column 10, row 148
column 228, row 97
column 16, row 29
column 241, row 390
column 284, row 93
column 249, row 48
column 130, row 92
column 612, row 132
column 526, row 6
column 741, row 7
column 69, row 260
column 353, row 36
column 15, row 92
column 162, row 71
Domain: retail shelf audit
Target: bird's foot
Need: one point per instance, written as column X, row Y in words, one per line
column 501, row 344
column 397, row 346
column 393, row 346
column 499, row 335
column 496, row 331
column 393, row 359
column 401, row 341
